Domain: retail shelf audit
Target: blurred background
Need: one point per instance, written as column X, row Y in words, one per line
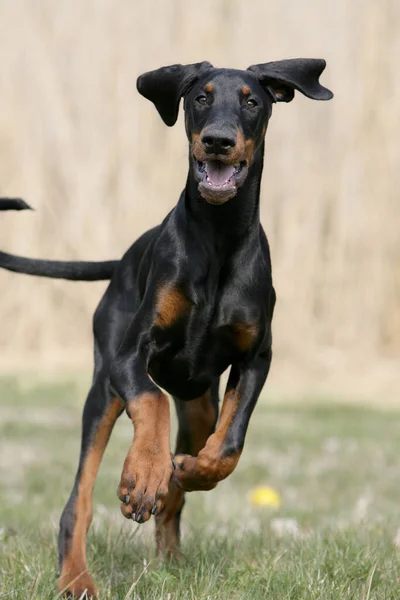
column 99, row 167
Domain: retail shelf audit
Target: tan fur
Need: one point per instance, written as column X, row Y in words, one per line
column 171, row 304
column 245, row 335
column 210, row 466
column 200, row 418
column 147, row 467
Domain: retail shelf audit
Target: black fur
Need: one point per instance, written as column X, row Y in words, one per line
column 59, row 269
column 13, row 204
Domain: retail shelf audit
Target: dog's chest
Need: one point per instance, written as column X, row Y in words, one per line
column 197, row 334
column 196, row 340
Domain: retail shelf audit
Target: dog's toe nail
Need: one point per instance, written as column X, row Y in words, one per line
column 154, row 510
column 133, row 516
column 126, row 499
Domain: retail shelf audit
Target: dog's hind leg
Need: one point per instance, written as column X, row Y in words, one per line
column 99, row 416
column 197, row 419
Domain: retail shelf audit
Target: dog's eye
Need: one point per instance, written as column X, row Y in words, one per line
column 251, row 103
column 202, row 100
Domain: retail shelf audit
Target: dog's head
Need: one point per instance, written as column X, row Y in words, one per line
column 227, row 112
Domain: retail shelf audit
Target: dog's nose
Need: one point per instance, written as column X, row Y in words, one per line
column 218, row 143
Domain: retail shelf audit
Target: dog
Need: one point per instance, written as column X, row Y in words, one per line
column 191, row 298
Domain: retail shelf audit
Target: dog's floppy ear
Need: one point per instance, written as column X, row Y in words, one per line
column 282, row 77
column 166, row 86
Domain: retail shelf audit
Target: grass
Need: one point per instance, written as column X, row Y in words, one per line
column 336, row 468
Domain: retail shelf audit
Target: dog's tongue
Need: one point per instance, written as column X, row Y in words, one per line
column 218, row 173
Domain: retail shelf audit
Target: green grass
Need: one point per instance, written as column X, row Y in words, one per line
column 336, row 468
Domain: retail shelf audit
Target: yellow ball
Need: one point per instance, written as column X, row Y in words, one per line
column 265, row 496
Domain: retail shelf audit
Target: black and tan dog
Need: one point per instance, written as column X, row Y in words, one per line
column 190, row 298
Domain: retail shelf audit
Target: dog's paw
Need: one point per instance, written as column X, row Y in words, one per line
column 207, row 469
column 76, row 583
column 191, row 474
column 144, row 483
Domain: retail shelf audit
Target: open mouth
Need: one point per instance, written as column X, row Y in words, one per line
column 218, row 181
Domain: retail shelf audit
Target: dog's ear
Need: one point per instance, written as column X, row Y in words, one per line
column 166, row 86
column 281, row 78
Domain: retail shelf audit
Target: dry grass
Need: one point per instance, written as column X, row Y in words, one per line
column 95, row 160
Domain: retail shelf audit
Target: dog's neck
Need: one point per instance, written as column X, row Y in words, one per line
column 240, row 216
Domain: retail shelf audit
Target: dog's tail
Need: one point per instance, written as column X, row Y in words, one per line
column 56, row 269
column 59, row 269
column 13, row 204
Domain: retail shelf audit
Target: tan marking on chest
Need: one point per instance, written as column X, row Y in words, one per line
column 245, row 335
column 171, row 305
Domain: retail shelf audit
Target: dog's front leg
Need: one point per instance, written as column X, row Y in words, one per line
column 148, row 466
column 223, row 448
